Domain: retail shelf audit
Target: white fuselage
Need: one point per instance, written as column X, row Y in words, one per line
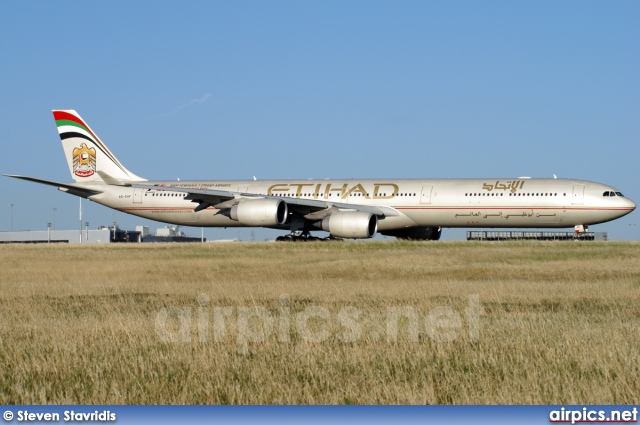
column 515, row 203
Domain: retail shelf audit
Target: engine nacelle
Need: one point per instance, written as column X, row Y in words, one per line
column 416, row 233
column 351, row 224
column 260, row 212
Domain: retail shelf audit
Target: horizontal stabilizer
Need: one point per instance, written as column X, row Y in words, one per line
column 78, row 190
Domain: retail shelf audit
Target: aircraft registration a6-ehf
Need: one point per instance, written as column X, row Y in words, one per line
column 356, row 208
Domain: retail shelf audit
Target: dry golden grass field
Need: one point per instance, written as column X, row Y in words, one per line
column 377, row 322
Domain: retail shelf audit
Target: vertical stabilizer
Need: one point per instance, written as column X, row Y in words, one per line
column 85, row 152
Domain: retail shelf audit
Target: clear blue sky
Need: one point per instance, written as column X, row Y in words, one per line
column 302, row 89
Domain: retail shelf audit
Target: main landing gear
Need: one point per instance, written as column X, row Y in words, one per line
column 304, row 236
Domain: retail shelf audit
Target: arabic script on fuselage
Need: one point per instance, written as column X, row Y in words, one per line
column 513, row 186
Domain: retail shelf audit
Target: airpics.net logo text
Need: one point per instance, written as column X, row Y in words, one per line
column 315, row 323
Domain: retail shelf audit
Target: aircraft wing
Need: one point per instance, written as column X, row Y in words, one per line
column 226, row 199
column 318, row 205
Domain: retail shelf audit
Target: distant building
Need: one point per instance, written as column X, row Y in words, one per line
column 57, row 236
column 503, row 235
column 167, row 234
column 104, row 234
column 144, row 230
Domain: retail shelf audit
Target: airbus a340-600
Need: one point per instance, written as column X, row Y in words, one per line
column 356, row 208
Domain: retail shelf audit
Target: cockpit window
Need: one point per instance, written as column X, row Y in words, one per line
column 607, row 193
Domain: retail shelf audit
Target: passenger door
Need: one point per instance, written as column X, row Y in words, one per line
column 578, row 195
column 137, row 196
column 425, row 195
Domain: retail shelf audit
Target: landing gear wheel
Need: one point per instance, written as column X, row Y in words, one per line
column 299, row 236
column 331, row 238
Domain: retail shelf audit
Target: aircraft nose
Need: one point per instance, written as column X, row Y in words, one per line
column 630, row 204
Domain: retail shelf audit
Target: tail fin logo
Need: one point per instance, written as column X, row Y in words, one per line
column 84, row 161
